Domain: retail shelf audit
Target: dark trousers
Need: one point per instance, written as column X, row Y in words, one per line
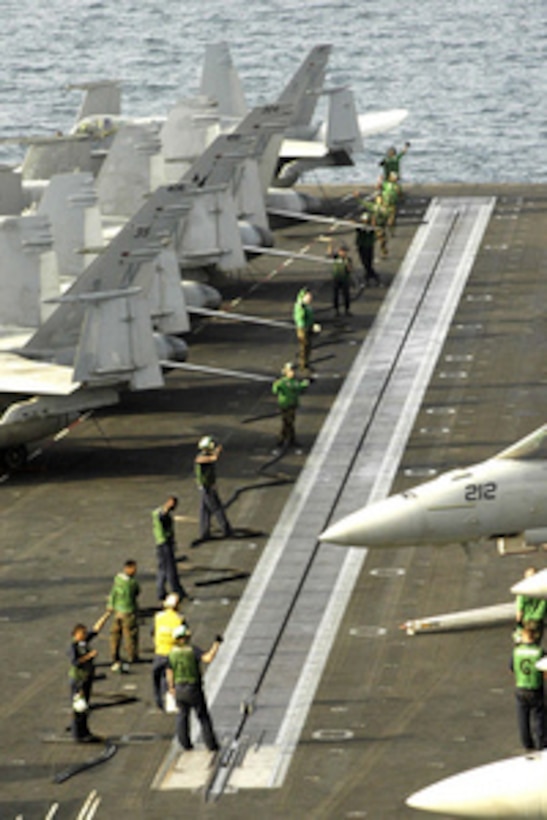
column 190, row 696
column 159, row 683
column 288, row 415
column 212, row 505
column 167, row 572
column 366, row 254
column 79, row 727
column 340, row 285
column 530, row 716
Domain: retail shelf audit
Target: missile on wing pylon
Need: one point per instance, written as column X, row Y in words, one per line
column 500, row 498
column 511, row 788
column 535, row 585
column 464, row 619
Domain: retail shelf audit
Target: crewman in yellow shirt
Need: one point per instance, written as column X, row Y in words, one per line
column 164, row 624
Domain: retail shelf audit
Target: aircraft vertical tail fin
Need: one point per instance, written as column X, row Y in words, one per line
column 70, row 204
column 28, row 270
column 101, row 97
column 303, row 90
column 262, row 130
column 342, row 132
column 116, row 342
column 152, row 229
column 12, row 197
column 220, row 81
column 132, row 169
column 166, row 298
column 209, row 234
column 191, row 126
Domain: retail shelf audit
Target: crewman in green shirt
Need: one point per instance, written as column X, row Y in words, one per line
column 342, row 269
column 288, row 389
column 184, row 682
column 390, row 198
column 305, row 326
column 529, row 608
column 529, row 687
column 391, row 163
column 205, row 466
column 123, row 604
column 365, row 239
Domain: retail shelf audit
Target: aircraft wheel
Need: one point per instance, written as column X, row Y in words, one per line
column 15, row 458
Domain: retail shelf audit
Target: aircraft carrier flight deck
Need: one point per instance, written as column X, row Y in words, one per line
column 324, row 707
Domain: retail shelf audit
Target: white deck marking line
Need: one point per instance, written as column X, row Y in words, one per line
column 380, row 337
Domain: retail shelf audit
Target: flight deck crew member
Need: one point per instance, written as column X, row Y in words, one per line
column 184, row 682
column 165, row 623
column 123, row 603
column 163, row 528
column 529, row 608
column 390, row 198
column 205, row 464
column 288, row 389
column 81, row 672
column 365, row 239
column 305, row 326
column 391, row 163
column 529, row 688
column 379, row 217
column 342, row 268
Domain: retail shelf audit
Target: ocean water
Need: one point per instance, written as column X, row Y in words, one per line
column 471, row 72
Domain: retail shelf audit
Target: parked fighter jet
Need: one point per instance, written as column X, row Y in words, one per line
column 99, row 341
column 307, row 144
column 503, row 498
column 510, row 789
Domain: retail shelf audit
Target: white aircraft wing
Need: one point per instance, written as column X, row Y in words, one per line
column 376, row 122
column 25, row 376
column 310, row 149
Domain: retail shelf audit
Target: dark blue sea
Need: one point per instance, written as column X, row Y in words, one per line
column 471, row 72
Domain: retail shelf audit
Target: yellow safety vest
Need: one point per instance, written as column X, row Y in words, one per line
column 164, row 624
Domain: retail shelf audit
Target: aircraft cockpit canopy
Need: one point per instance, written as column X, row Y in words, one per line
column 531, row 448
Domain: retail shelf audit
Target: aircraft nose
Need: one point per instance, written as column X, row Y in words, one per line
column 388, row 523
column 509, row 788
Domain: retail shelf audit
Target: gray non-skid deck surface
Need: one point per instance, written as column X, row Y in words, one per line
column 374, row 412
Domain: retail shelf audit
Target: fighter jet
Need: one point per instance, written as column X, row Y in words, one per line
column 534, row 585
column 113, row 329
column 510, row 789
column 502, row 498
column 307, row 144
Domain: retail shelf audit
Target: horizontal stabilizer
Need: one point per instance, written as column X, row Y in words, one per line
column 20, row 375
column 303, row 149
